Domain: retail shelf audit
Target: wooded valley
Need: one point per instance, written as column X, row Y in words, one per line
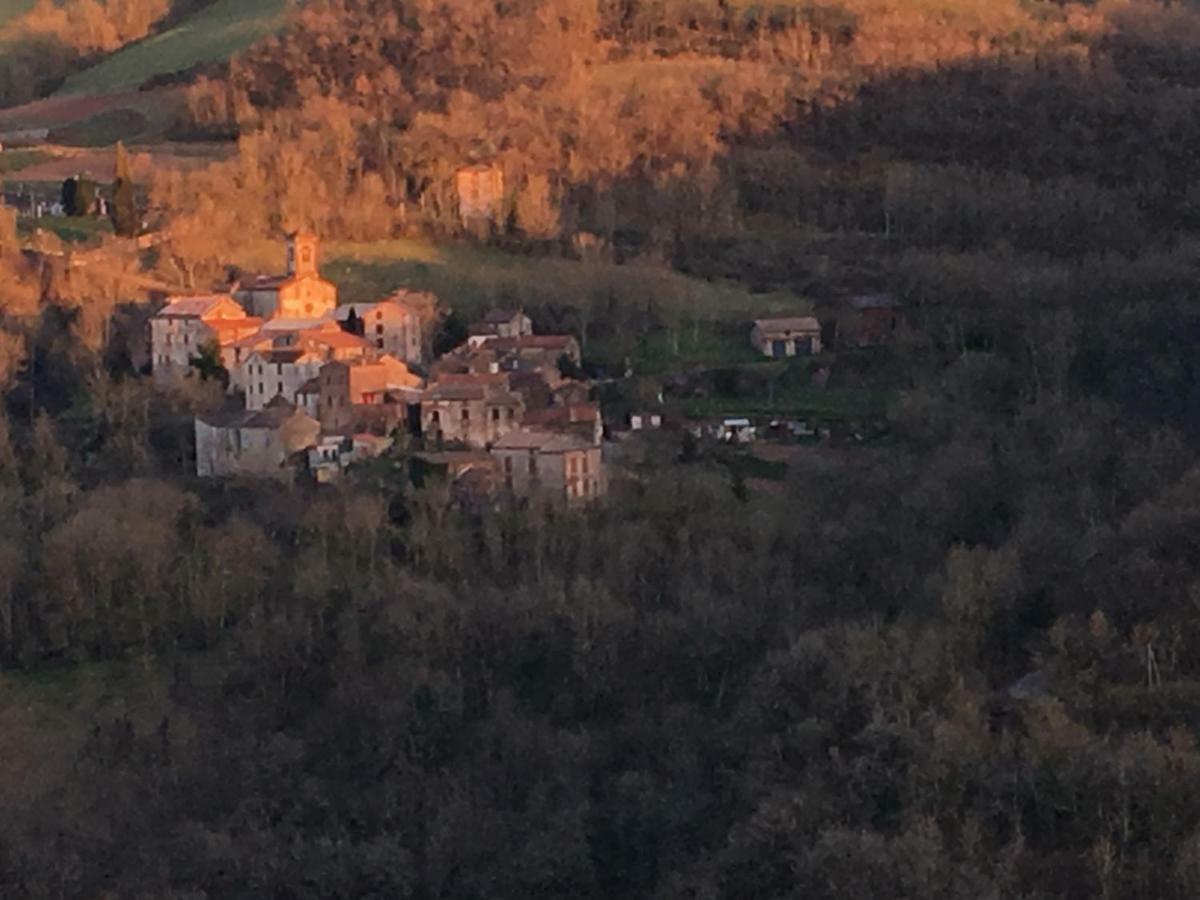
column 952, row 660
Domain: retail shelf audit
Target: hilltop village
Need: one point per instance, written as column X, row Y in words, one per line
column 315, row 386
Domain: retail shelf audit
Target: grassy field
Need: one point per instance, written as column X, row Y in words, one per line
column 700, row 322
column 472, row 278
column 73, row 230
column 216, row 32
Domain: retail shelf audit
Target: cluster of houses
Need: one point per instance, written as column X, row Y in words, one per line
column 325, row 385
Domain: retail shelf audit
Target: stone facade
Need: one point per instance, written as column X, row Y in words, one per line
column 470, row 409
column 180, row 330
column 355, row 395
column 395, row 328
column 557, row 466
column 253, row 443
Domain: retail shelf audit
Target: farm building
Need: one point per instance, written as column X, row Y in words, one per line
column 779, row 338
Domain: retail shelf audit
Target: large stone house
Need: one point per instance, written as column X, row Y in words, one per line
column 311, row 342
column 470, row 409
column 793, row 336
column 257, row 443
column 559, row 466
column 394, row 326
column 583, row 420
column 354, row 395
column 180, row 330
column 278, row 372
column 300, row 293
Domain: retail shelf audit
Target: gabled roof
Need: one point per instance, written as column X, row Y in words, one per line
column 788, row 325
column 197, row 307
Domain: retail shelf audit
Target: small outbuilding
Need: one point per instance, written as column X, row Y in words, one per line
column 785, row 337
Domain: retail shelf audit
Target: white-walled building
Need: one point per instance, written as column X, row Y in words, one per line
column 278, row 373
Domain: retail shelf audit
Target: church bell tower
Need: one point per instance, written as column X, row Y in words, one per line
column 301, row 254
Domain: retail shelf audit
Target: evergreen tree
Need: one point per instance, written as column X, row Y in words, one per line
column 70, row 190
column 124, row 206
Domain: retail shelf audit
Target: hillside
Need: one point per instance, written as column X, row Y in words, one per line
column 897, row 603
column 211, row 34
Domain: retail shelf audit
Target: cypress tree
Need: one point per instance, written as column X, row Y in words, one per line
column 124, row 212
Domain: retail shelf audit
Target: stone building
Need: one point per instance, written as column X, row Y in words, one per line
column 180, row 330
column 558, row 466
column 310, row 343
column 278, row 372
column 256, row 443
column 502, row 323
column 300, row 293
column 366, row 394
column 480, row 190
column 780, row 338
column 583, row 420
column 394, row 326
column 470, row 409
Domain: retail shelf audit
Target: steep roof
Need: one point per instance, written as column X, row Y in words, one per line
column 789, row 324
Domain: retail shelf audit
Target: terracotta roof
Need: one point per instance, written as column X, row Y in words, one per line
column 788, row 325
column 219, row 325
column 281, row 324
